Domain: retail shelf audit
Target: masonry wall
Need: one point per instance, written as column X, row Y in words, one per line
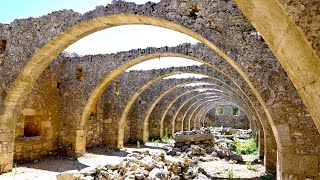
column 227, row 119
column 222, row 23
column 95, row 127
column 38, row 126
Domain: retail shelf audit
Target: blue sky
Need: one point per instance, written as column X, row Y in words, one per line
column 112, row 40
column 12, row 9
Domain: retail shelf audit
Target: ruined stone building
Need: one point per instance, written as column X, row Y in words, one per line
column 261, row 61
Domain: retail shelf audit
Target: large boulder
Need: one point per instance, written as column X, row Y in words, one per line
column 193, row 136
column 197, row 150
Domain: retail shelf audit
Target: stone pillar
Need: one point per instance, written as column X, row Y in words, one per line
column 270, row 154
column 140, row 135
column 178, row 124
column 111, row 134
column 297, row 166
column 7, row 135
column 80, row 141
column 154, row 128
column 261, row 143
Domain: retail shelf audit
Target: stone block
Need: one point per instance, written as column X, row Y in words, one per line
column 32, row 112
column 300, row 164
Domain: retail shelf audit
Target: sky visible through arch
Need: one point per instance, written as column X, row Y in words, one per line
column 112, row 40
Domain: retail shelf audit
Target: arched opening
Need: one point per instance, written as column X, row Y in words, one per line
column 14, row 99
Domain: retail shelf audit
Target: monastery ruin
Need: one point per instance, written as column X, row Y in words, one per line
column 261, row 62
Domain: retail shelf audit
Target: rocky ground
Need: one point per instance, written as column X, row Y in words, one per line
column 203, row 154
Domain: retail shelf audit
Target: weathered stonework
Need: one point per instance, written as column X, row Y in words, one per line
column 227, row 119
column 61, row 90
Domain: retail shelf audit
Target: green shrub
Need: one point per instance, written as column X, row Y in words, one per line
column 166, row 137
column 248, row 147
column 138, row 144
column 238, row 145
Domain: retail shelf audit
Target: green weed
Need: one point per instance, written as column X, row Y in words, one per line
column 253, row 167
column 248, row 147
column 156, row 142
column 231, row 174
column 166, row 137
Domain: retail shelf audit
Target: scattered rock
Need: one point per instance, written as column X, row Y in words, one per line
column 158, row 174
column 181, row 161
column 68, row 175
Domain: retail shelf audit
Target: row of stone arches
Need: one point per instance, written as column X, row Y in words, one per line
column 270, row 115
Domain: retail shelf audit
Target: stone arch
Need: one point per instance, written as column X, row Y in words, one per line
column 136, row 95
column 223, row 93
column 32, row 70
column 252, row 123
column 175, row 127
column 186, row 124
column 289, row 37
column 149, row 111
column 96, row 93
column 202, row 111
column 49, row 51
column 159, row 98
column 290, row 44
column 164, row 114
column 270, row 163
column 20, row 88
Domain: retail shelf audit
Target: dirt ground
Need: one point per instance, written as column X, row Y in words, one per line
column 223, row 169
column 47, row 169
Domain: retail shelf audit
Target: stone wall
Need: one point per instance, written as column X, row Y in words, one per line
column 277, row 101
column 38, row 126
column 227, row 119
column 95, row 133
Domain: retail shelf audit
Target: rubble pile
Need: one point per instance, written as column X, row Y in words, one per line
column 229, row 133
column 208, row 144
column 141, row 165
column 179, row 160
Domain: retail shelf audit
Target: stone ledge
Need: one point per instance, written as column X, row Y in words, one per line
column 24, row 138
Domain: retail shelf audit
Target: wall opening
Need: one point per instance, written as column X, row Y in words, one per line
column 235, row 111
column 31, row 127
column 219, row 111
column 59, row 85
column 93, row 114
column 3, row 45
column 116, row 88
column 79, row 73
